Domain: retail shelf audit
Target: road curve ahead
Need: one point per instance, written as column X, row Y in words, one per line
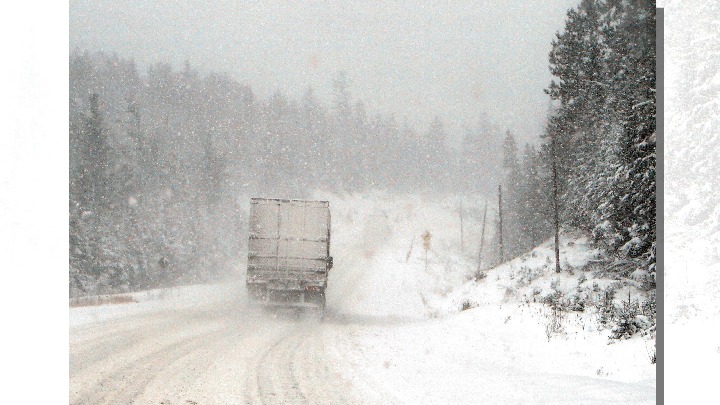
column 226, row 353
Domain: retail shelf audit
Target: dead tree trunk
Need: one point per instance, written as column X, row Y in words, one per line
column 462, row 242
column 500, row 226
column 482, row 239
column 556, row 215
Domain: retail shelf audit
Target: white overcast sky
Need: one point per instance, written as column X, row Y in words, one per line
column 457, row 59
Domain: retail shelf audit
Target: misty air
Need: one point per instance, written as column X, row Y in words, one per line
column 362, row 203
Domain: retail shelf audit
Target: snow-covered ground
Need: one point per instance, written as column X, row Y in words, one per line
column 395, row 331
column 692, row 313
column 408, row 335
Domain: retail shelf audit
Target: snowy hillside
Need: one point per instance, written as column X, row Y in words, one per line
column 381, row 269
column 411, row 336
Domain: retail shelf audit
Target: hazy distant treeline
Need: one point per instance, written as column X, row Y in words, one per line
column 161, row 161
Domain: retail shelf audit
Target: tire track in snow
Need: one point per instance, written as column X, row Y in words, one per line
column 323, row 384
column 185, row 380
column 343, row 351
column 92, row 344
column 125, row 382
column 94, row 348
column 293, row 370
column 272, row 379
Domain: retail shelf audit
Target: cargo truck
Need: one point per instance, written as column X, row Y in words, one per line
column 288, row 252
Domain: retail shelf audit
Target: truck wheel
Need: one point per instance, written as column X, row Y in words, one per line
column 322, row 306
column 256, row 293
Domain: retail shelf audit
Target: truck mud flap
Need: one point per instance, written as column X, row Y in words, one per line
column 294, row 298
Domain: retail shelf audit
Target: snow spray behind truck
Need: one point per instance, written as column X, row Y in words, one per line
column 289, row 252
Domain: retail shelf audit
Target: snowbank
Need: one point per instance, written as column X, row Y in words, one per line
column 157, row 300
column 692, row 315
column 406, row 332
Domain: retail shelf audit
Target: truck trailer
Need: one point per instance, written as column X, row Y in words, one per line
column 288, row 252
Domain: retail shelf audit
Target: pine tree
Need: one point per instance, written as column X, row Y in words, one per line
column 512, row 228
column 603, row 132
column 95, row 173
column 437, row 154
column 343, row 152
column 534, row 211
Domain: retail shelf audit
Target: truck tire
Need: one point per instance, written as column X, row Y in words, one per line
column 317, row 298
column 256, row 292
column 322, row 305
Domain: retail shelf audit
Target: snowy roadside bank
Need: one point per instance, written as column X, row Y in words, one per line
column 493, row 355
column 152, row 301
column 405, row 331
column 692, row 315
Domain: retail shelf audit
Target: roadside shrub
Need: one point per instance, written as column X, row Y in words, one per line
column 606, row 307
column 653, row 356
column 553, row 300
column 527, row 276
column 576, row 303
column 467, row 304
column 649, row 307
column 510, row 293
column 555, row 322
column 629, row 320
column 627, row 323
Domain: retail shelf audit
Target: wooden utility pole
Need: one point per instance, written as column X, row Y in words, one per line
column 482, row 239
column 462, row 243
column 500, row 227
column 426, row 244
column 556, row 215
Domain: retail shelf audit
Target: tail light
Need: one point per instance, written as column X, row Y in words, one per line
column 312, row 288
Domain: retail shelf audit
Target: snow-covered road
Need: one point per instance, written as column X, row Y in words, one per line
column 222, row 354
column 232, row 353
column 394, row 333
